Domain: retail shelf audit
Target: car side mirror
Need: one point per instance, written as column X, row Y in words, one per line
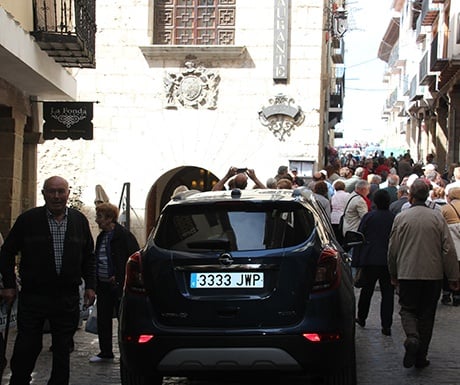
column 352, row 239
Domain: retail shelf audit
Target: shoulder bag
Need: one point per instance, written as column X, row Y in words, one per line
column 340, row 227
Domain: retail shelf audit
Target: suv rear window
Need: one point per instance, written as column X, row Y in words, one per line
column 233, row 226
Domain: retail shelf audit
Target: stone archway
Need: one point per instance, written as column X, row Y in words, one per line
column 195, row 178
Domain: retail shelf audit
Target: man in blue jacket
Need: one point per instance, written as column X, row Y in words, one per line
column 56, row 253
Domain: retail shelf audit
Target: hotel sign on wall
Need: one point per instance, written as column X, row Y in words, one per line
column 281, row 40
column 68, row 120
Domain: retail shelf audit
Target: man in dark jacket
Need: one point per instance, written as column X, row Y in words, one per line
column 114, row 245
column 56, row 252
column 372, row 258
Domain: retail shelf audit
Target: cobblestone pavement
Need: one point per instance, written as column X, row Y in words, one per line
column 379, row 357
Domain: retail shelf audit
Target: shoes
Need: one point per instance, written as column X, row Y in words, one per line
column 456, row 302
column 101, row 358
column 386, row 331
column 445, row 299
column 411, row 344
column 423, row 363
column 360, row 322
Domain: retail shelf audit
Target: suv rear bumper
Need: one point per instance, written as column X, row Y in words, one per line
column 218, row 359
column 186, row 355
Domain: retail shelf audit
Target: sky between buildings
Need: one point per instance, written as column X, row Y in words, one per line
column 365, row 92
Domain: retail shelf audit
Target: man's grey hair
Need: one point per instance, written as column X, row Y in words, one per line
column 393, row 180
column 361, row 184
column 271, row 183
column 403, row 190
column 376, row 179
column 457, row 173
column 359, row 171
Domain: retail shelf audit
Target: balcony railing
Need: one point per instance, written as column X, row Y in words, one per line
column 394, row 55
column 416, row 92
column 437, row 62
column 66, row 30
column 426, row 77
column 429, row 12
column 405, row 85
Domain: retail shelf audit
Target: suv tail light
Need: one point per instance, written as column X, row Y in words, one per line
column 327, row 271
column 133, row 278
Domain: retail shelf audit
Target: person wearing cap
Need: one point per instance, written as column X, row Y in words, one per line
column 330, row 188
column 296, row 180
column 321, row 176
column 420, row 252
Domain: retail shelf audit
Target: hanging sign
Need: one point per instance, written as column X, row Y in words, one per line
column 64, row 120
column 281, row 40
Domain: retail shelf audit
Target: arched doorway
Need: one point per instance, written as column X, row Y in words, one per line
column 195, row 178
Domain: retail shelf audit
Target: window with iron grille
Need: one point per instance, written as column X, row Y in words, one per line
column 194, row 22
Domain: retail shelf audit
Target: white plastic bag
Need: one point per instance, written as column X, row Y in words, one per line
column 91, row 322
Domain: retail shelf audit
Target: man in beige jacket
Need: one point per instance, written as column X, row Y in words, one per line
column 451, row 213
column 420, row 252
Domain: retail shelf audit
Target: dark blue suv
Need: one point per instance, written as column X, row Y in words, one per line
column 239, row 282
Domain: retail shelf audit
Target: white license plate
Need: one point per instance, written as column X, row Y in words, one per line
column 226, row 280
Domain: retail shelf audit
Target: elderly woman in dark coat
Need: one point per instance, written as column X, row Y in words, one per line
column 372, row 258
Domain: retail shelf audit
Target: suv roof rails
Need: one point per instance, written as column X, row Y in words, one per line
column 184, row 195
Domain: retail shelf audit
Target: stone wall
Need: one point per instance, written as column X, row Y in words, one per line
column 137, row 139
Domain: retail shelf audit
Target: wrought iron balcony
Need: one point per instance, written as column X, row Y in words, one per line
column 66, row 30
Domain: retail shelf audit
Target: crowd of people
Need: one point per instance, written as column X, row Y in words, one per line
column 409, row 215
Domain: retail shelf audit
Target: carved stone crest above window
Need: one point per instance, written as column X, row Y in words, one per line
column 193, row 87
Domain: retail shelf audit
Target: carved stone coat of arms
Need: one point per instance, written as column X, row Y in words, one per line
column 193, row 87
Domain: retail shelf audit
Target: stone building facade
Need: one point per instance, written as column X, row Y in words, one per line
column 261, row 86
column 422, row 49
column 168, row 115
